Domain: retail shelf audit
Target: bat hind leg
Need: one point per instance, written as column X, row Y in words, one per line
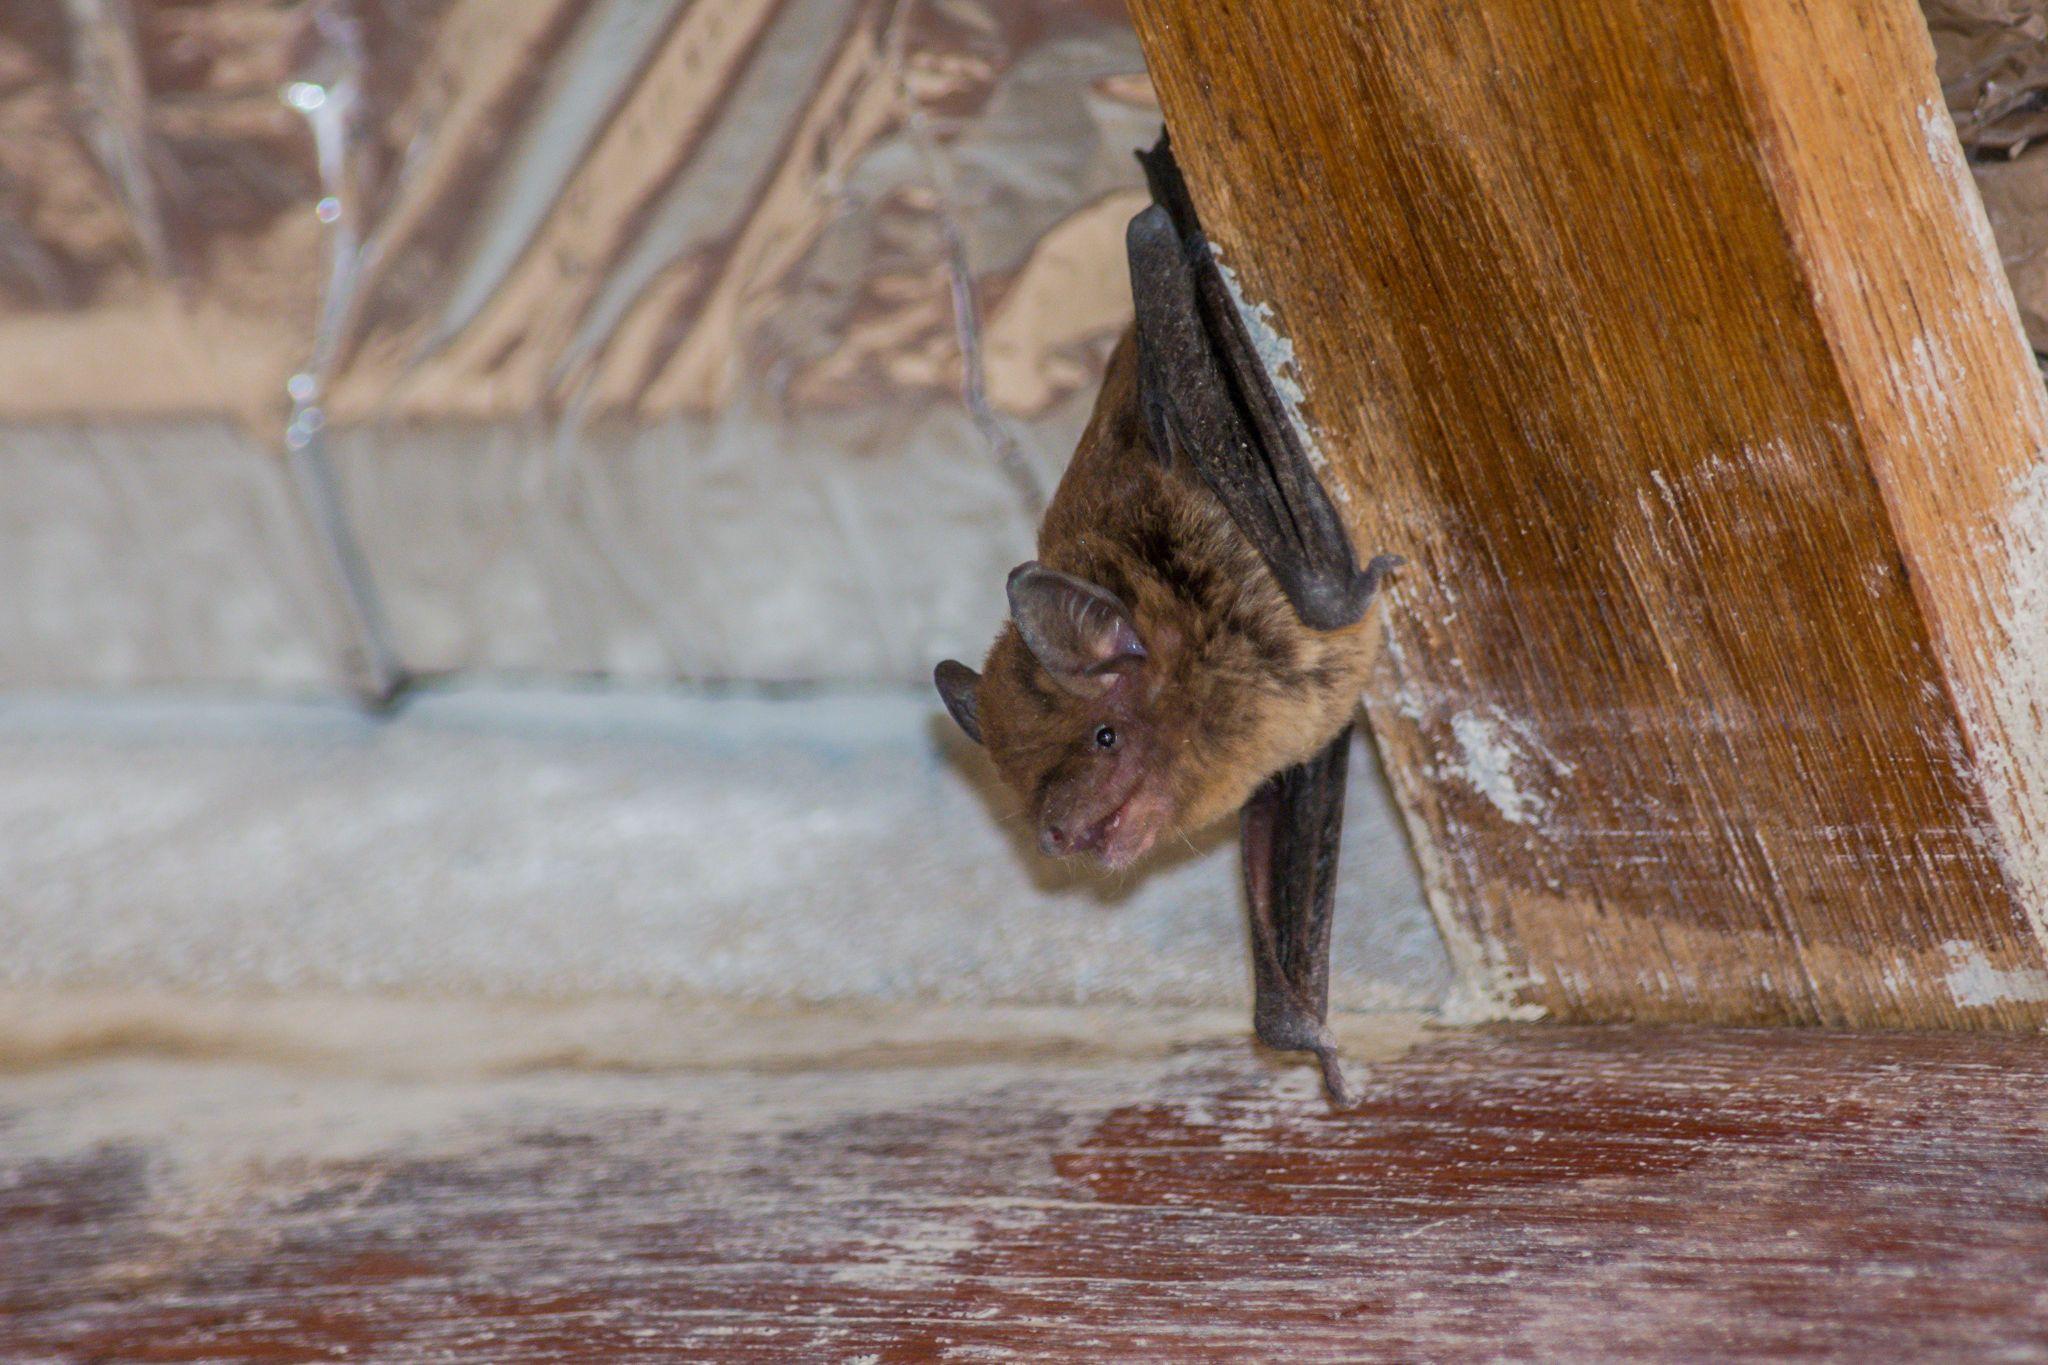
column 1286, row 1026
column 1334, row 592
column 1292, row 827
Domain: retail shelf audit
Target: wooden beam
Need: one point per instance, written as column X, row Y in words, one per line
column 1665, row 339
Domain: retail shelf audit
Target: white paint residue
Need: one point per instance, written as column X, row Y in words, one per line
column 1487, row 984
column 2007, row 715
column 1276, row 353
column 1487, row 1000
column 1945, row 151
column 1407, row 695
column 1927, row 376
column 1490, row 753
column 2014, row 770
column 2025, row 620
column 2004, row 714
column 1973, row 981
column 1944, row 146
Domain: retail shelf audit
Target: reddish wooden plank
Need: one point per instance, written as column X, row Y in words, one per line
column 1584, row 1193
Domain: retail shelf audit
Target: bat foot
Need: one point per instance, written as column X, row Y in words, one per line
column 1368, row 582
column 1303, row 1034
column 1335, row 1087
column 1334, row 600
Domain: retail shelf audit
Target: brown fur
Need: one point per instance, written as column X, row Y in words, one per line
column 1234, row 687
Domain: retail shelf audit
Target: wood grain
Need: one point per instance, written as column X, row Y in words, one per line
column 1583, row 1194
column 1662, row 337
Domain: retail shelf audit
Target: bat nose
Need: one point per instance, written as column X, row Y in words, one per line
column 1059, row 841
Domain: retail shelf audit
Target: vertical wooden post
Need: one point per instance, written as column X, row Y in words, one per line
column 1666, row 340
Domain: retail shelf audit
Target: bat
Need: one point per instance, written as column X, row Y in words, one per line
column 1190, row 641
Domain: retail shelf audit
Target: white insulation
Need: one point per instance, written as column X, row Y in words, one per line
column 846, row 849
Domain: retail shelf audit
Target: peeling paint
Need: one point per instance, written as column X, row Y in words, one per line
column 1488, row 766
column 1487, row 983
column 1945, row 152
column 1486, row 999
column 2015, row 773
column 1407, row 698
column 1974, row 982
column 1492, row 749
column 1276, row 353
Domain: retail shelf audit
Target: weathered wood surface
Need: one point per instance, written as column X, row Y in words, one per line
column 1666, row 341
column 1535, row 1194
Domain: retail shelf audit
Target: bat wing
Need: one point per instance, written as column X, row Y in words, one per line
column 1291, row 830
column 1207, row 399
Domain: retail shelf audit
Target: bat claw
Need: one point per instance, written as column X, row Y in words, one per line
column 1375, row 573
column 1301, row 1033
column 1332, row 601
column 1335, row 1087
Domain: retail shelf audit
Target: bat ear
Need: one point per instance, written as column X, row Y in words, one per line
column 1083, row 634
column 960, row 688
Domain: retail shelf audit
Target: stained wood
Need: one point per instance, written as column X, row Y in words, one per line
column 1534, row 1194
column 1666, row 341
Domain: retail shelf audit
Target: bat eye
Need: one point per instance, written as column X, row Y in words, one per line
column 1105, row 738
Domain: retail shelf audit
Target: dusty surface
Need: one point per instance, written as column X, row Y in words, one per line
column 832, row 849
column 406, row 1039
column 1560, row 1193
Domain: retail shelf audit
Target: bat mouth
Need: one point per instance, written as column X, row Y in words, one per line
column 1117, row 839
column 1128, row 832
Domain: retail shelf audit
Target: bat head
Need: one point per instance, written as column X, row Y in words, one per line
column 1077, row 715
column 1121, row 715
